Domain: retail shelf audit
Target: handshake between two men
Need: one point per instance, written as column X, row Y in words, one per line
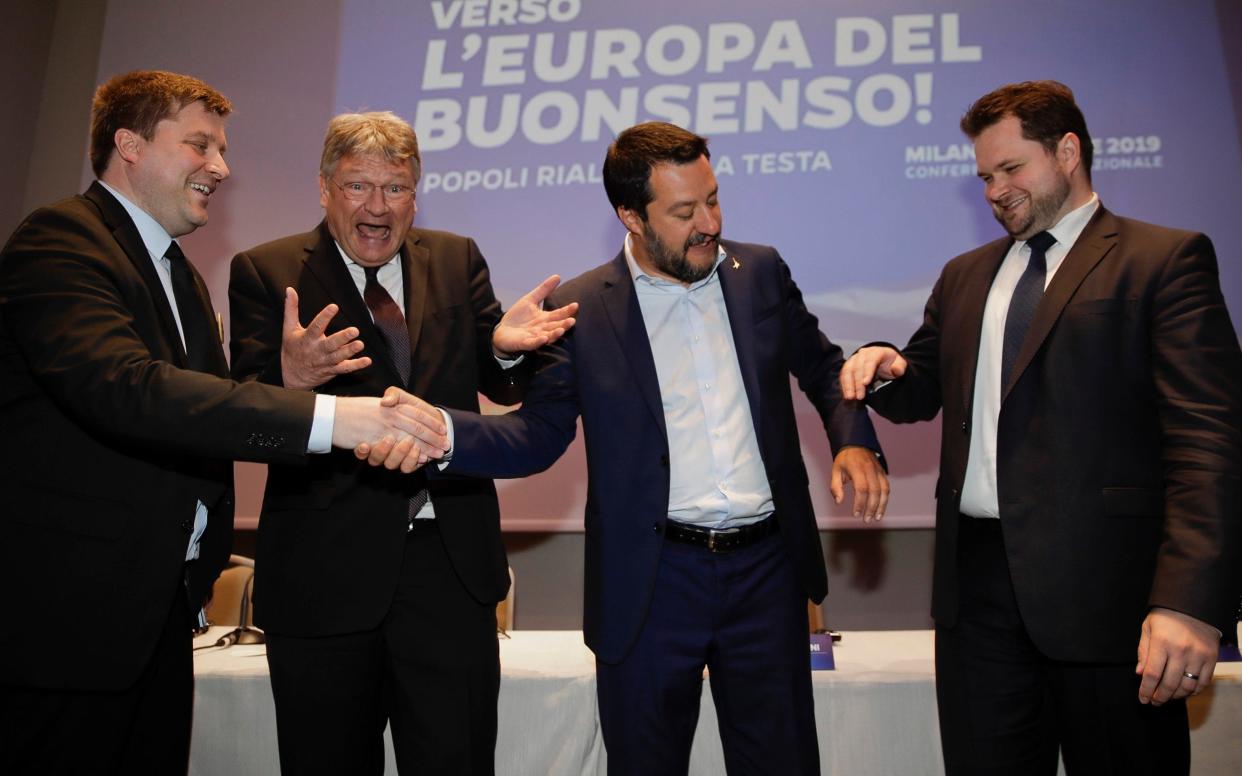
column 400, row 431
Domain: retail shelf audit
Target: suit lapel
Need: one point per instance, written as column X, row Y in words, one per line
column 621, row 304
column 126, row 235
column 325, row 263
column 1097, row 239
column 737, row 289
column 219, row 366
column 415, row 264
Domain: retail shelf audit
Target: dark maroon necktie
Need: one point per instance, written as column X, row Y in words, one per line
column 391, row 324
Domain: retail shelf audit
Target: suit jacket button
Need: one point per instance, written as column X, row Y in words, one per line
column 664, row 461
column 655, row 527
column 187, row 525
column 965, row 428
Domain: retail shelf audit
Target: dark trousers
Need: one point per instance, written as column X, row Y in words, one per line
column 431, row 671
column 1006, row 709
column 142, row 729
column 741, row 614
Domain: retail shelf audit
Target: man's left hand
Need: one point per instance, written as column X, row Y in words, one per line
column 859, row 465
column 527, row 326
column 1171, row 646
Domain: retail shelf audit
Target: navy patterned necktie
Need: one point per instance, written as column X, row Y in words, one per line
column 195, row 327
column 1026, row 296
column 391, row 323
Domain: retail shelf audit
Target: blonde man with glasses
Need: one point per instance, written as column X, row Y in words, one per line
column 377, row 590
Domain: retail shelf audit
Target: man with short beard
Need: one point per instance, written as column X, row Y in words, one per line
column 1090, row 463
column 701, row 542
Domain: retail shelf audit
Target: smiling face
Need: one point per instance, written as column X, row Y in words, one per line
column 173, row 175
column 1028, row 187
column 370, row 231
column 680, row 237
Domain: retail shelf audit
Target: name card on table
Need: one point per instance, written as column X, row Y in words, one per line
column 1229, row 652
column 821, row 652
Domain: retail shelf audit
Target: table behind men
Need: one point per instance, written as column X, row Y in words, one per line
column 876, row 712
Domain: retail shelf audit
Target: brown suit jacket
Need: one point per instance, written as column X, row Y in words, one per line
column 1119, row 443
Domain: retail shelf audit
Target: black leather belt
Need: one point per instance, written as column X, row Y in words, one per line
column 719, row 539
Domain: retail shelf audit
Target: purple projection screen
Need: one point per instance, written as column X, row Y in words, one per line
column 833, row 130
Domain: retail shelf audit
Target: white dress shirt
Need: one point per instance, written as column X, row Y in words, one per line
column 979, row 494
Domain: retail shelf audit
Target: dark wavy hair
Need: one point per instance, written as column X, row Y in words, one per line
column 631, row 157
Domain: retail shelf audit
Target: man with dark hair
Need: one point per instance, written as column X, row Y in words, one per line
column 701, row 541
column 386, row 583
column 120, row 427
column 1090, row 466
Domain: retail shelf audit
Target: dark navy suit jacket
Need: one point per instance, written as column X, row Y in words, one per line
column 603, row 371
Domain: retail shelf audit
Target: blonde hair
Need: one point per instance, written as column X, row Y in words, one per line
column 381, row 134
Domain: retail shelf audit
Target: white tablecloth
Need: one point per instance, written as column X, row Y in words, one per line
column 876, row 713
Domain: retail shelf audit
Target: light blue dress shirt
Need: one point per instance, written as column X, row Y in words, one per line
column 717, row 477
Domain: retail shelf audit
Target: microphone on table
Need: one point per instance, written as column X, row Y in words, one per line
column 242, row 634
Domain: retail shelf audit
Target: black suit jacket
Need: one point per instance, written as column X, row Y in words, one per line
column 1119, row 446
column 332, row 532
column 107, row 443
column 604, row 371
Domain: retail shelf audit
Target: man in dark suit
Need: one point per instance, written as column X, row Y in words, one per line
column 119, row 430
column 701, row 542
column 378, row 591
column 1090, row 462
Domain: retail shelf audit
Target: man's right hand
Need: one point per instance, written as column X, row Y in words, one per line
column 861, row 369
column 413, row 426
column 403, row 454
column 308, row 359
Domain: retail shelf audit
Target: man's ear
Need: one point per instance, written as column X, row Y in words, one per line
column 128, row 145
column 631, row 220
column 1069, row 151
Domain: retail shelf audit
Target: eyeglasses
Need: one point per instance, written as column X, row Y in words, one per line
column 360, row 191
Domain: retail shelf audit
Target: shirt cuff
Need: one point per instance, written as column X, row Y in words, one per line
column 321, row 427
column 448, row 424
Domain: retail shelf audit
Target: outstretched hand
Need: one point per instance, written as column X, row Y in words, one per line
column 308, row 359
column 527, row 326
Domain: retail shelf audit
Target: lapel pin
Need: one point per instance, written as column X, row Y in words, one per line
column 736, row 264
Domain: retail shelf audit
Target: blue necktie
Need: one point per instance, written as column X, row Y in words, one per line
column 1026, row 296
